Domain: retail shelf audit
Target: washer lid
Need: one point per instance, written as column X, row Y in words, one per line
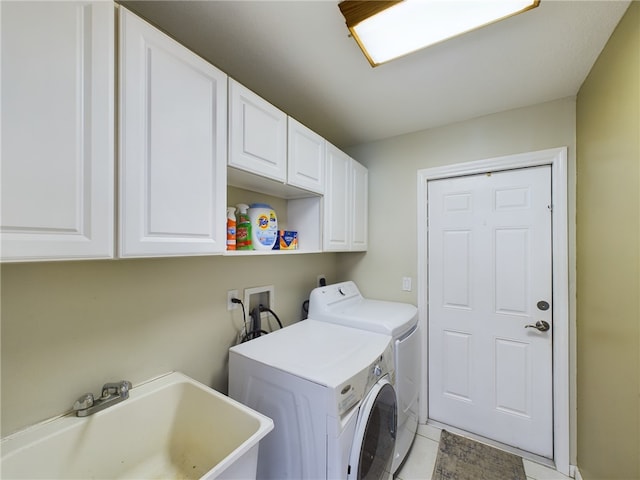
column 390, row 318
column 342, row 303
column 321, row 352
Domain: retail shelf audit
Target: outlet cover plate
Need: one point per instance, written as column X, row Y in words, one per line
column 232, row 294
column 269, row 290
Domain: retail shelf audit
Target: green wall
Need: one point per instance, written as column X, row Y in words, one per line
column 608, row 258
column 393, row 165
column 69, row 327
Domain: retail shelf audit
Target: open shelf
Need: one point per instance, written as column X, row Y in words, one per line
column 302, row 215
column 253, row 253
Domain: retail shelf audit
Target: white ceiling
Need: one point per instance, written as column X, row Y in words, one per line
column 298, row 56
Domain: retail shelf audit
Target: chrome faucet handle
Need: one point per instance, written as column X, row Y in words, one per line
column 125, row 386
column 117, row 388
column 84, row 402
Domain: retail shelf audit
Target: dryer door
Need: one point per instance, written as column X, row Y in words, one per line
column 375, row 437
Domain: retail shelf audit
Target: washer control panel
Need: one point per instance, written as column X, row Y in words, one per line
column 353, row 390
column 330, row 297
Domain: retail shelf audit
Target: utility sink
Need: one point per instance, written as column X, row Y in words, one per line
column 169, row 427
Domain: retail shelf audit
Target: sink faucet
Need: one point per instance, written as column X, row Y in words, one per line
column 112, row 393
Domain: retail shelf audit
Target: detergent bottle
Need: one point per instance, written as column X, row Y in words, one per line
column 231, row 228
column 243, row 228
column 264, row 226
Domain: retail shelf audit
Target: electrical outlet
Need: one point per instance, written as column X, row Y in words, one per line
column 230, row 295
column 320, row 279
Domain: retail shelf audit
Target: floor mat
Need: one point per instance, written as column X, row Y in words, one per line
column 460, row 458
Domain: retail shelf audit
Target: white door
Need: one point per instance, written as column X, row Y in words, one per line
column 173, row 108
column 490, row 276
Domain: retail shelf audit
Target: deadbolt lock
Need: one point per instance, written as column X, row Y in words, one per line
column 542, row 305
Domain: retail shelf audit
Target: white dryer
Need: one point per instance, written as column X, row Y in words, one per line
column 343, row 304
column 328, row 389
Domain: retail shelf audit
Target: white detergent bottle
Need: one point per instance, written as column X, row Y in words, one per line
column 264, row 226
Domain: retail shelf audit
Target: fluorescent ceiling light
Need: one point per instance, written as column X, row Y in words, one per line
column 386, row 30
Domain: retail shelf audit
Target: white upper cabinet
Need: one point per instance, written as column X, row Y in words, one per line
column 173, row 108
column 58, row 183
column 57, row 130
column 360, row 209
column 306, row 157
column 257, row 134
column 345, row 203
column 337, row 201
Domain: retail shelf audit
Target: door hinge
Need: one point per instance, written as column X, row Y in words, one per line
column 550, row 207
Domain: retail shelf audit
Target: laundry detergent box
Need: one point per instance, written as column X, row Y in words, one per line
column 287, row 240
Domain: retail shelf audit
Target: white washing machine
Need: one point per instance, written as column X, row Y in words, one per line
column 343, row 304
column 328, row 390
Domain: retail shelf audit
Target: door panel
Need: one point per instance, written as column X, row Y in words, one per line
column 456, row 365
column 456, row 271
column 511, row 254
column 512, row 358
column 489, row 264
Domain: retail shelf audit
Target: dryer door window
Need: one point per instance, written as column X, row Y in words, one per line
column 375, row 438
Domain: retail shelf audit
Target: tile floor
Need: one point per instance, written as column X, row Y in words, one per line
column 422, row 457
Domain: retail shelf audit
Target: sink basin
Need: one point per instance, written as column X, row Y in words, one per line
column 169, row 427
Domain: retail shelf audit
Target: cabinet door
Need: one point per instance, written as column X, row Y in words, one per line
column 337, row 201
column 57, row 130
column 257, row 134
column 173, row 146
column 360, row 202
column 306, row 155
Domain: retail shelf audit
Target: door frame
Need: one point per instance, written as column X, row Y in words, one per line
column 557, row 159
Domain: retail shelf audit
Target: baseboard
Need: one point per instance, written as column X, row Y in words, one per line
column 576, row 472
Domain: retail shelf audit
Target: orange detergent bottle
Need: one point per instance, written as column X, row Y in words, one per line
column 231, row 228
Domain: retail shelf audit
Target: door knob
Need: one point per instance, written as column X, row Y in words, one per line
column 541, row 325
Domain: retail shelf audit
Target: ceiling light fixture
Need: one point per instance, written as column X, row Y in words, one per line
column 386, row 30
